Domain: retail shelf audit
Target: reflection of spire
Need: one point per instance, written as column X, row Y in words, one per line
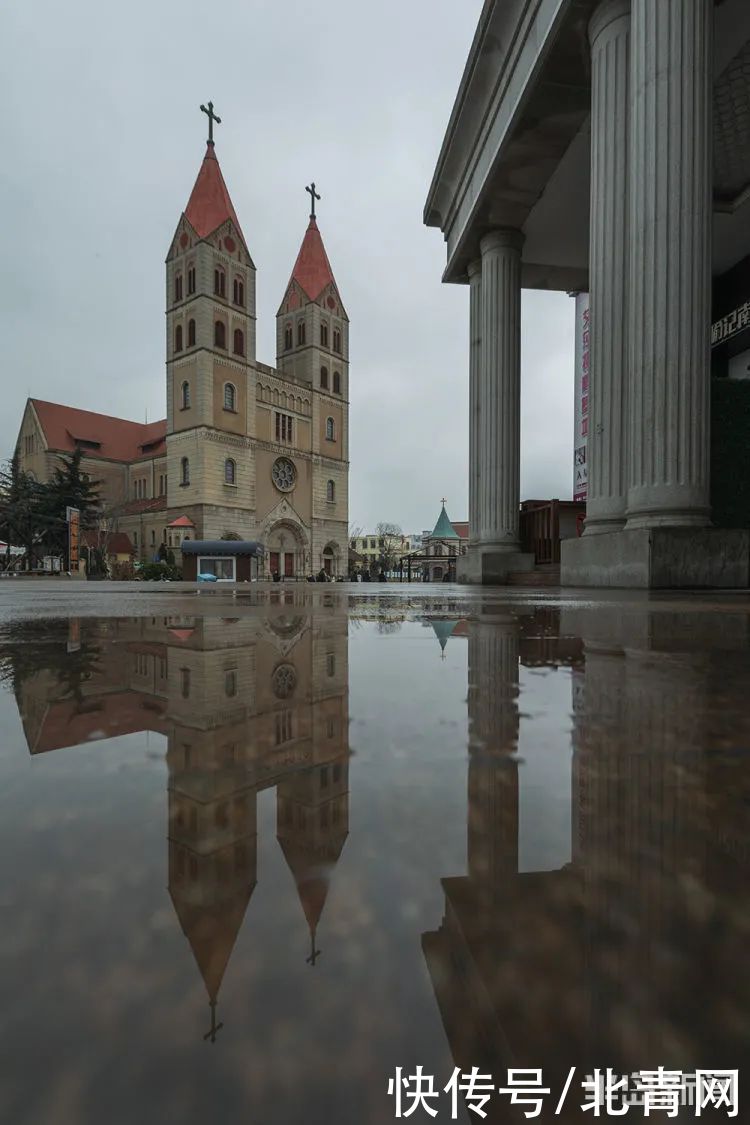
column 312, row 826
column 443, row 631
column 212, row 932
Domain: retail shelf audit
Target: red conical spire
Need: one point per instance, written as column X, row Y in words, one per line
column 312, row 270
column 210, row 204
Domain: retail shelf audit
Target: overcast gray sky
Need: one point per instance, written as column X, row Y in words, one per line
column 103, row 139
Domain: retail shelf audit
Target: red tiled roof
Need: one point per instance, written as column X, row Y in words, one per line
column 135, row 507
column 461, row 529
column 115, row 439
column 66, row 723
column 210, row 205
column 312, row 270
column 118, row 543
column 181, row 521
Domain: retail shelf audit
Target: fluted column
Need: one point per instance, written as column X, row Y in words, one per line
column 670, row 215
column 609, row 34
column 500, row 390
column 475, row 360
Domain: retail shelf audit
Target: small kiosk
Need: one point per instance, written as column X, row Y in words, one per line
column 225, row 560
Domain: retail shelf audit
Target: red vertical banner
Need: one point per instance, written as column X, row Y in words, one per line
column 582, row 361
column 74, row 537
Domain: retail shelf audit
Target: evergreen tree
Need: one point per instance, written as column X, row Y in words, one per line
column 22, row 516
column 69, row 487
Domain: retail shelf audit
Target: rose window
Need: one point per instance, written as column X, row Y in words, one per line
column 283, row 474
column 284, row 681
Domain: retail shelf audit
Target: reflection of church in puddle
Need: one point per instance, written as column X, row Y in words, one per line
column 245, row 704
column 625, row 953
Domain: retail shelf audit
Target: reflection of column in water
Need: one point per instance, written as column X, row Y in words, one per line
column 639, row 779
column 493, row 740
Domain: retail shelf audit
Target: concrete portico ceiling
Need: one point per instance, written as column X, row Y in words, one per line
column 517, row 148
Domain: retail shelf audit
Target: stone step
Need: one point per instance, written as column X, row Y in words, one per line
column 546, row 575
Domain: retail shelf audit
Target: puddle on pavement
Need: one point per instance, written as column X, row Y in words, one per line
column 251, row 865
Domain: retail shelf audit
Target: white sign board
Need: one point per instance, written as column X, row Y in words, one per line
column 581, row 414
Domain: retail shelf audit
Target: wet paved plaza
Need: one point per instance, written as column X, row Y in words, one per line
column 259, row 851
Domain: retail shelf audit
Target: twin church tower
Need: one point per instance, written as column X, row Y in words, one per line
column 253, row 450
column 246, row 451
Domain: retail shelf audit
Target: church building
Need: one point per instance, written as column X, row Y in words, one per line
column 246, row 450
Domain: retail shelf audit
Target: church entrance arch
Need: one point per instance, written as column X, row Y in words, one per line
column 286, row 552
column 331, row 559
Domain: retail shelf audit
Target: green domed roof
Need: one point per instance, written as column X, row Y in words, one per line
column 444, row 529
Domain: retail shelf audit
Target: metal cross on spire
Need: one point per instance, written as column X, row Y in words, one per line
column 209, row 111
column 313, row 196
column 314, row 953
column 215, row 1027
column 443, row 501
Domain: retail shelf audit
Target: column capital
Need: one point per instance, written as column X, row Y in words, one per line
column 607, row 13
column 503, row 239
column 474, row 267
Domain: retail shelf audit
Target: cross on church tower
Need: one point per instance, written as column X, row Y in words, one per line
column 314, row 953
column 313, row 196
column 209, row 111
column 215, row 1027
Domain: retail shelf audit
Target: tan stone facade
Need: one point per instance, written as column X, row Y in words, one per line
column 247, row 449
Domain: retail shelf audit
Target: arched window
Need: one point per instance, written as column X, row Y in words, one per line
column 178, row 338
column 185, row 396
column 300, row 333
column 230, row 396
column 220, row 282
column 239, row 291
column 337, row 382
column 230, row 471
column 184, row 471
column 191, row 279
column 239, row 342
column 191, row 333
column 220, row 334
column 324, row 378
column 324, row 335
column 178, row 287
column 330, row 429
column 331, row 491
column 337, row 339
column 288, row 341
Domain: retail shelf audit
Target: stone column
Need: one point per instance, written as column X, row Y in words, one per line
column 609, row 33
column 475, row 361
column 670, row 216
column 500, row 391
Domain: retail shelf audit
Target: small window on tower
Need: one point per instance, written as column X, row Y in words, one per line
column 324, row 378
column 288, row 340
column 230, row 397
column 300, row 333
column 191, row 279
column 239, row 342
column 337, row 340
column 239, row 292
column 230, row 471
column 184, row 471
column 185, row 396
column 324, row 335
column 220, row 282
column 191, row 333
column 220, row 334
column 331, row 492
column 178, row 338
column 337, row 382
column 178, row 287
column 330, row 429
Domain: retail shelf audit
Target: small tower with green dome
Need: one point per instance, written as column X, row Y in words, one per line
column 444, row 546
